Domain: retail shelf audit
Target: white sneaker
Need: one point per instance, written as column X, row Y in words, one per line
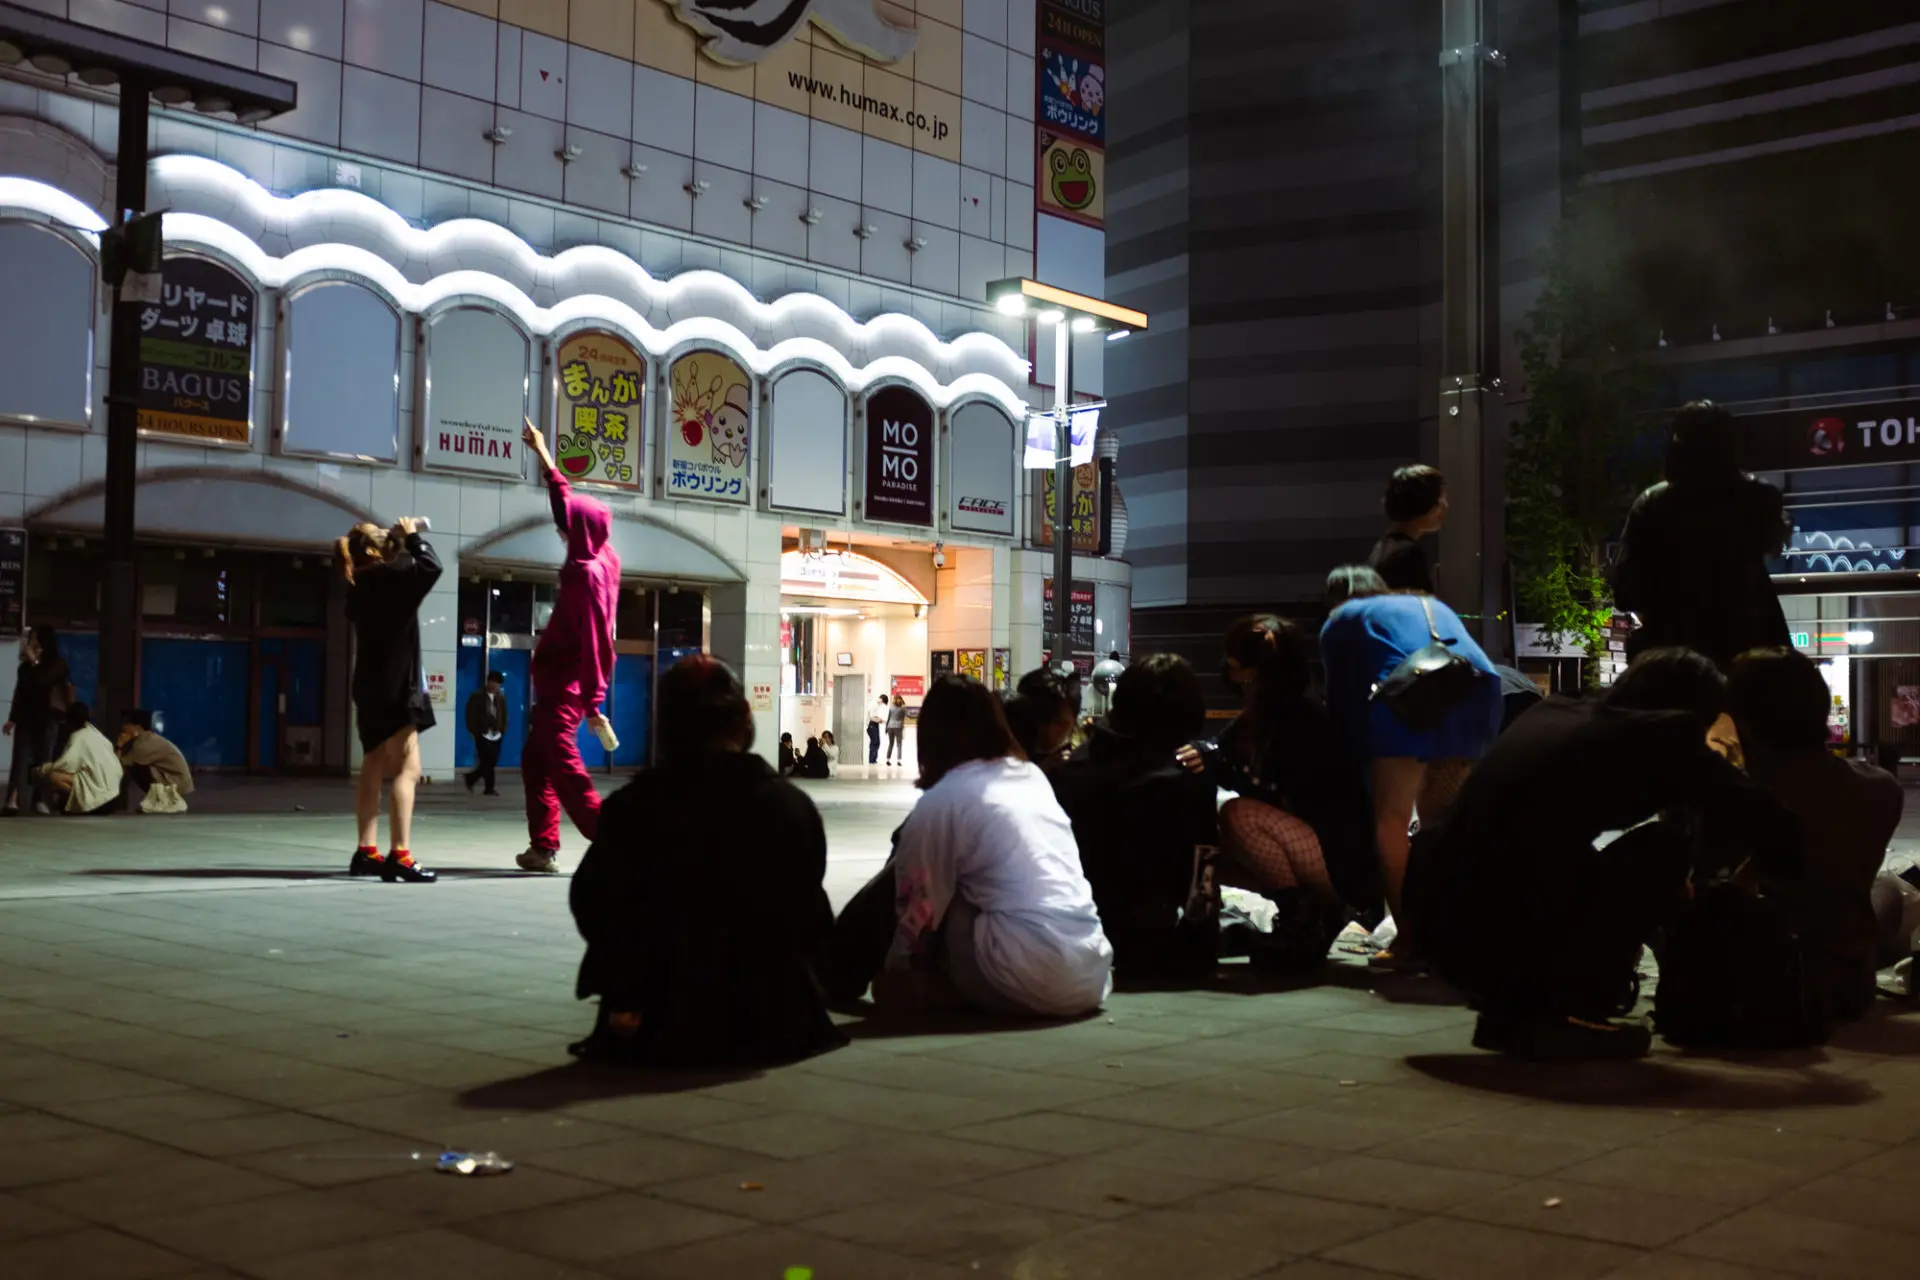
column 40, row 807
column 543, row 860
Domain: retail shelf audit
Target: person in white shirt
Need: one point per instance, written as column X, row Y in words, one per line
column 832, row 749
column 86, row 777
column 994, row 910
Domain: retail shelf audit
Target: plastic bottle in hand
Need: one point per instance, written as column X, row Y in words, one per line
column 603, row 730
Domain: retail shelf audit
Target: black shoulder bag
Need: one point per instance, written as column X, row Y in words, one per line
column 1429, row 682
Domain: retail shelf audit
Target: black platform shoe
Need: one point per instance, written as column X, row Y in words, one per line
column 365, row 864
column 393, row 870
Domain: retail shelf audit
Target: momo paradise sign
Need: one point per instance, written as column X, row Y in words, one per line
column 899, row 457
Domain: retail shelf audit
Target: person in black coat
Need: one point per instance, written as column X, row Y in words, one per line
column 701, row 898
column 1693, row 557
column 388, row 574
column 1144, row 823
column 1416, row 506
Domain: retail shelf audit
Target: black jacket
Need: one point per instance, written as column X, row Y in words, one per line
column 486, row 712
column 1693, row 566
column 1137, row 816
column 702, row 907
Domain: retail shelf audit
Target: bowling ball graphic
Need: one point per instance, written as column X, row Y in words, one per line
column 1827, row 437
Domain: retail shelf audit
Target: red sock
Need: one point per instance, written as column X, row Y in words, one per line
column 404, row 857
column 370, row 851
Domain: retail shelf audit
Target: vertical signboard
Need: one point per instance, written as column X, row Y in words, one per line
column 806, row 444
column 13, row 582
column 980, row 473
column 1088, row 509
column 196, row 354
column 598, row 410
column 709, row 429
column 898, row 457
column 1073, row 91
column 973, row 664
column 1079, row 616
column 477, row 391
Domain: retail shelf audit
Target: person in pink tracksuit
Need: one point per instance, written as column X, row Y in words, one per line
column 572, row 666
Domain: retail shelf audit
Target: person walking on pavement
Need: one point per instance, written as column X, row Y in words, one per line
column 572, row 666
column 897, row 730
column 487, row 722
column 388, row 574
column 874, row 720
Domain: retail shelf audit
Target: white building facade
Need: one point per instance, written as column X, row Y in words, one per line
column 735, row 275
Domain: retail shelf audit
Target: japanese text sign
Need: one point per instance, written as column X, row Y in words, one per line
column 196, row 354
column 709, row 430
column 1088, row 509
column 1081, row 22
column 13, row 582
column 597, row 434
column 1079, row 615
column 1073, row 90
column 909, row 686
column 899, row 456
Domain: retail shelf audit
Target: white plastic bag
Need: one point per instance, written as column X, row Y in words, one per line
column 163, row 797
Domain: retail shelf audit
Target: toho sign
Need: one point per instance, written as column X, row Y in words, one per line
column 1859, row 435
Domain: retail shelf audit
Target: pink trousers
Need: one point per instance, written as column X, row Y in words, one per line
column 555, row 775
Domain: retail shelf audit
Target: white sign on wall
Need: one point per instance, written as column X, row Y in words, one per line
column 981, row 475
column 340, row 373
column 476, row 392
column 807, row 444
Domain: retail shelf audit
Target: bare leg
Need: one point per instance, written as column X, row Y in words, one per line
column 1396, row 787
column 366, row 801
column 405, row 747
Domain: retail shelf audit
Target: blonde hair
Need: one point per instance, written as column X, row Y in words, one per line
column 364, row 545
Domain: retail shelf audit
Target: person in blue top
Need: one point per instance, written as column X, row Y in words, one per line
column 1370, row 631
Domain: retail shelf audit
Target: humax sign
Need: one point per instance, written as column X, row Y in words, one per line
column 898, row 458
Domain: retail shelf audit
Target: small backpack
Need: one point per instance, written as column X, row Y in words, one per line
column 1734, row 975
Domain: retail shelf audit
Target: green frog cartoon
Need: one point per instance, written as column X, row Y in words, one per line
column 575, row 457
column 1072, row 178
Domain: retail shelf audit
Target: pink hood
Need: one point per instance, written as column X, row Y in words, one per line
column 574, row 658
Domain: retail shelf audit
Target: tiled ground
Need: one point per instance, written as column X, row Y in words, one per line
column 219, row 1058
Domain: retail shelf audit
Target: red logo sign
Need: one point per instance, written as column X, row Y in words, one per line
column 1827, row 437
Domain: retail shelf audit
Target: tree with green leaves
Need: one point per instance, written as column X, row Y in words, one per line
column 1574, row 464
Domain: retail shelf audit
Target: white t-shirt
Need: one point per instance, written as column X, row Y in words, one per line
column 992, row 833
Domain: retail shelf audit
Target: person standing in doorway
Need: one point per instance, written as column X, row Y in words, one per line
column 897, row 731
column 875, row 719
column 487, row 722
column 388, row 574
column 1415, row 506
column 572, row 666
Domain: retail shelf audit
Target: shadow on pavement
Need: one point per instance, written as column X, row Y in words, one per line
column 577, row 1082
column 874, row 1025
column 1646, row 1083
column 286, row 873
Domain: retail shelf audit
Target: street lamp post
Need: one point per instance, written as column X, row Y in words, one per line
column 142, row 71
column 1068, row 313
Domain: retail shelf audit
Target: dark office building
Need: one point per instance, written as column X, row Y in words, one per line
column 1275, row 201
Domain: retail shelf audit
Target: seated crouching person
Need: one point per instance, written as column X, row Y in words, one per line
column 1146, row 826
column 86, row 778
column 993, row 910
column 701, row 899
column 1513, row 903
column 1777, row 954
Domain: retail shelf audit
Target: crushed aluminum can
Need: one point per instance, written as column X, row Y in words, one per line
column 473, row 1164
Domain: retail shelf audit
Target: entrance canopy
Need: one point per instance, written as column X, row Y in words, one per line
column 647, row 549
column 845, row 575
column 216, row 504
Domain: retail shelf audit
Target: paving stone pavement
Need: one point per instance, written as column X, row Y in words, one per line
column 222, row 1058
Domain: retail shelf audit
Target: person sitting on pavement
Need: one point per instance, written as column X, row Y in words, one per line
column 1516, row 852
column 994, row 910
column 830, row 749
column 812, row 762
column 1300, row 830
column 86, row 778
column 1844, row 811
column 788, row 759
column 1409, row 771
column 1145, row 825
column 1042, row 714
column 153, row 764
column 701, row 898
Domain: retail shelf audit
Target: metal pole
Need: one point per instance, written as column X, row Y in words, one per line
column 119, row 605
column 1063, row 492
column 1468, row 356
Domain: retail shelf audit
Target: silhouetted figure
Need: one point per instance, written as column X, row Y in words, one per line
column 701, row 900
column 1416, row 505
column 1693, row 557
